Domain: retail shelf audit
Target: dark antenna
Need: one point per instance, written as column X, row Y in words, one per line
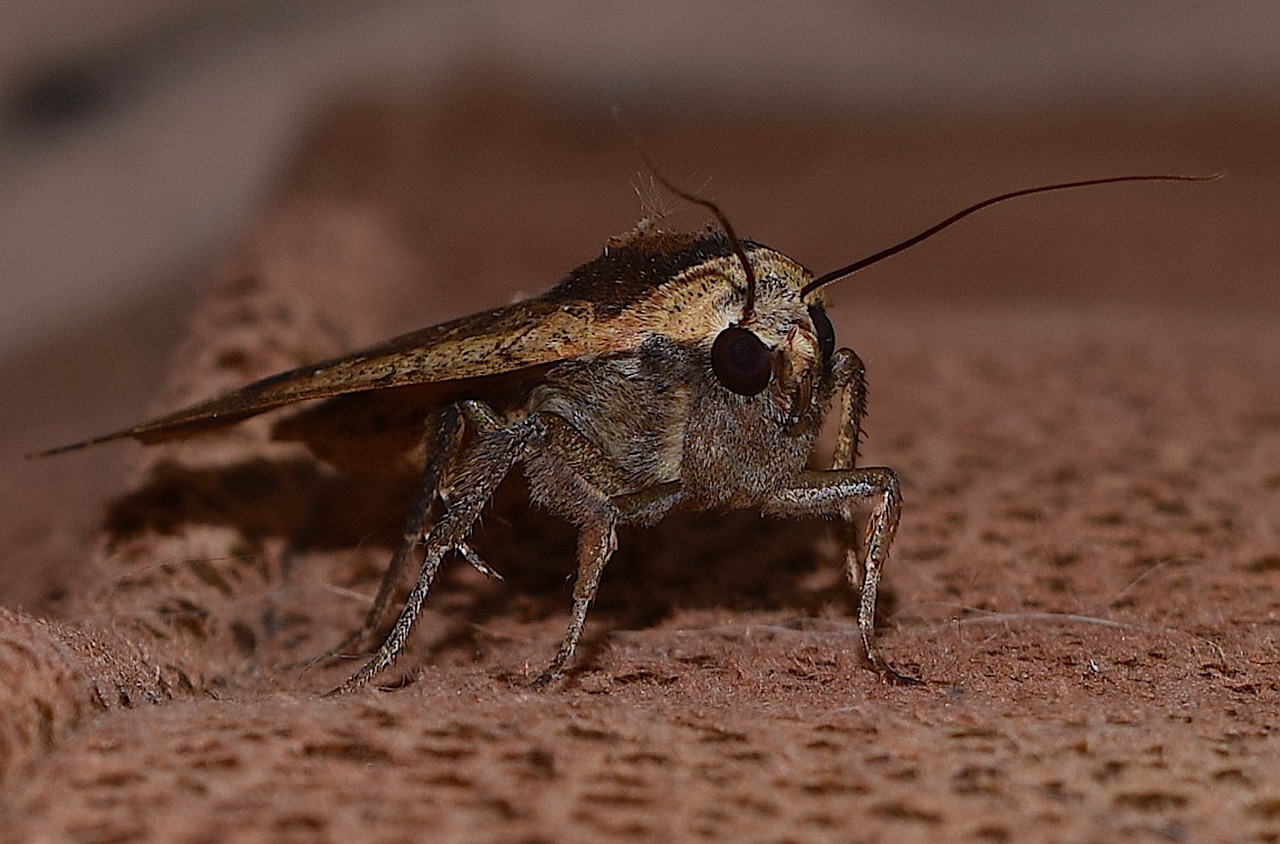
column 749, row 307
column 836, row 275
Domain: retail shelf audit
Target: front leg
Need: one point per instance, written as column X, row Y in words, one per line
column 863, row 562
column 849, row 378
column 838, row 492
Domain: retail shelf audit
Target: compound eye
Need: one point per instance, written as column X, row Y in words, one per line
column 741, row 361
column 825, row 331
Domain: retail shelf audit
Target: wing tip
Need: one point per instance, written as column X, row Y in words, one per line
column 76, row 446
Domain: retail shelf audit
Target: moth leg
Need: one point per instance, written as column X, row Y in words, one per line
column 477, row 477
column 597, row 540
column 596, row 544
column 849, row 377
column 846, row 376
column 571, row 478
column 442, row 449
column 484, row 421
column 477, row 562
column 863, row 561
column 837, row 492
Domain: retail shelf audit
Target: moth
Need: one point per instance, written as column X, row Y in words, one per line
column 676, row 371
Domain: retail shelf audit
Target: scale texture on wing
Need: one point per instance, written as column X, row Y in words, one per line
column 586, row 315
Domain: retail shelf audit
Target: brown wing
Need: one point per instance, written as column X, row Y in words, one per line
column 586, row 315
column 530, row 333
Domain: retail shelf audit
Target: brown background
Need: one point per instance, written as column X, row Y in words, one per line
column 1080, row 392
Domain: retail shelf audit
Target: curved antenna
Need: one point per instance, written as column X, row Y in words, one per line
column 836, row 275
column 748, row 307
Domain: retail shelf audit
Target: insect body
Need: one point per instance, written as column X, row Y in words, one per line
column 675, row 371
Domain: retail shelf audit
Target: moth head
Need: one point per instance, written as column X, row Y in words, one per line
column 785, row 344
column 776, row 341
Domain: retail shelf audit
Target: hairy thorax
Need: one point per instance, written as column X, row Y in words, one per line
column 630, row 409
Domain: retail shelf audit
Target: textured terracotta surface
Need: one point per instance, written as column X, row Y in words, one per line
column 1081, row 394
